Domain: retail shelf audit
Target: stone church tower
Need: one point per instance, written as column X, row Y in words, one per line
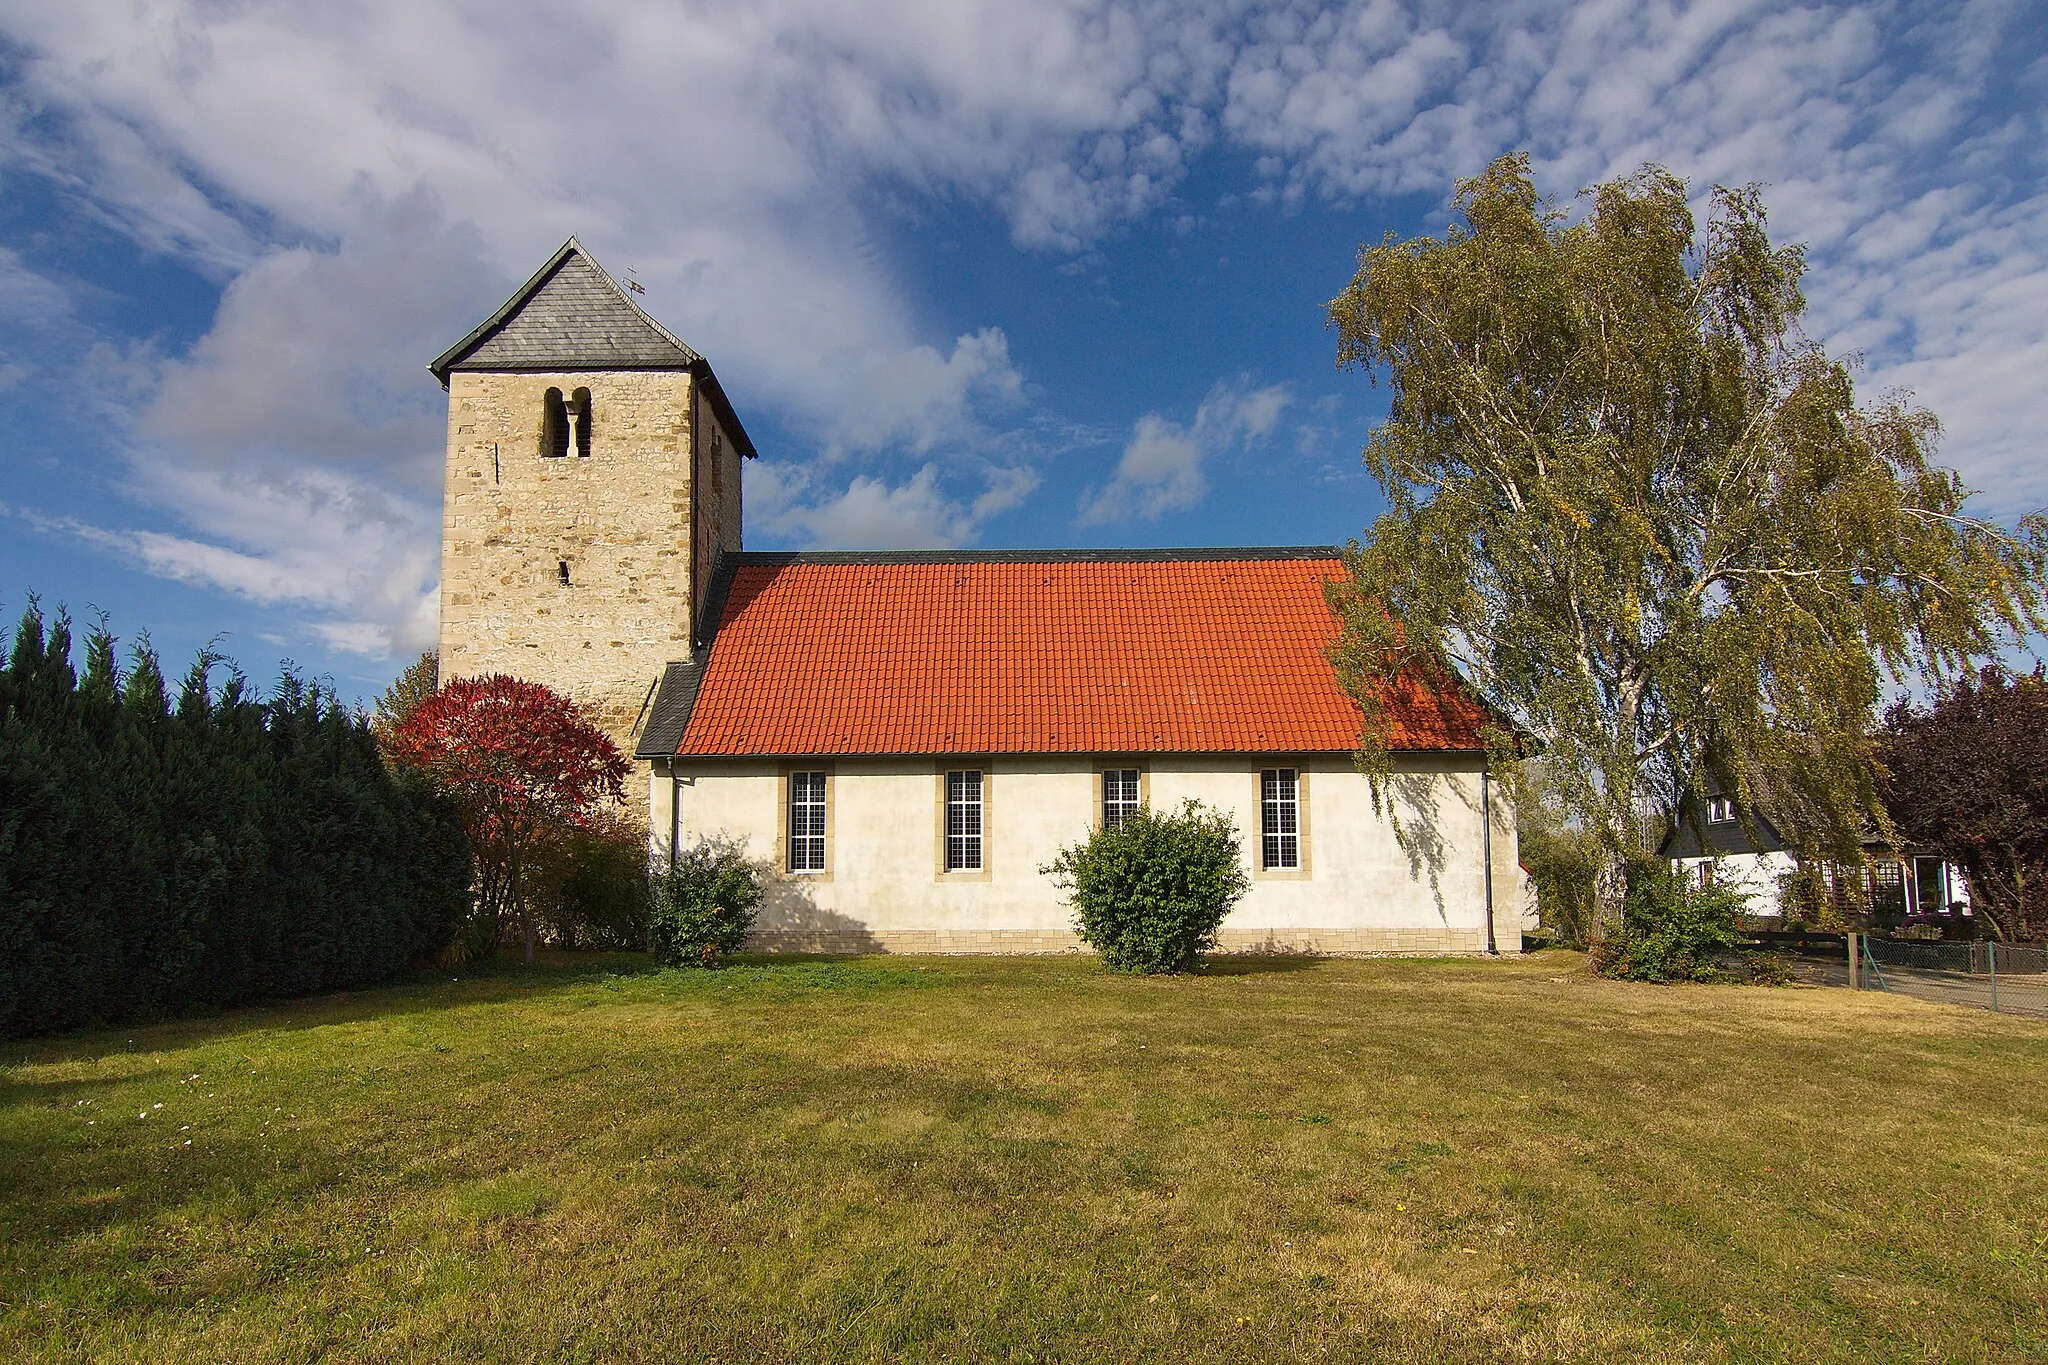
column 593, row 483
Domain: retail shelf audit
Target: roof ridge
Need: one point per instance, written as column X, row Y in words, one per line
column 696, row 357
column 1188, row 554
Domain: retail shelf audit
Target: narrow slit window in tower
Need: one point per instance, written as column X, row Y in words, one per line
column 562, row 568
column 579, row 421
column 554, row 425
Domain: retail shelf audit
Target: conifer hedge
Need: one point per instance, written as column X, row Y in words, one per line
column 163, row 856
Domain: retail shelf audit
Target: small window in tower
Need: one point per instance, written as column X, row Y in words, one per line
column 579, row 421
column 562, row 568
column 554, row 425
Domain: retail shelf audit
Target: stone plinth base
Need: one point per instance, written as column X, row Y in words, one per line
column 1275, row 942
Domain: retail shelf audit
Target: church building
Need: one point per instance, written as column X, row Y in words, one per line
column 904, row 739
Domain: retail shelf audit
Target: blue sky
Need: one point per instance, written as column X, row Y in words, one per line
column 1015, row 273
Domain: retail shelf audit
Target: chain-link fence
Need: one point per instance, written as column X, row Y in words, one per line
column 1994, row 976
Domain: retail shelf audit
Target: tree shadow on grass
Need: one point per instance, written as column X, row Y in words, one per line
column 422, row 994
column 1257, row 964
column 418, row 992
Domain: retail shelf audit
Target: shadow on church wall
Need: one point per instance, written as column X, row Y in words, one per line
column 790, row 920
column 1415, row 802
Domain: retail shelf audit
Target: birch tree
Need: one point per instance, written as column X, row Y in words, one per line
column 1644, row 517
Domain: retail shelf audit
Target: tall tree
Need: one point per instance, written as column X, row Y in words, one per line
column 1968, row 776
column 1644, row 518
column 521, row 764
column 407, row 691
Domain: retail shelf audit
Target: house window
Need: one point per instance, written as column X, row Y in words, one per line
column 963, row 820
column 1280, row 818
column 1119, row 796
column 1720, row 810
column 807, row 822
column 1888, row 889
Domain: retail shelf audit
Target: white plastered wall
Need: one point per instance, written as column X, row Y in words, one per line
column 1760, row 876
column 1361, row 891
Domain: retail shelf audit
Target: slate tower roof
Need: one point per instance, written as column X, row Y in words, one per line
column 573, row 316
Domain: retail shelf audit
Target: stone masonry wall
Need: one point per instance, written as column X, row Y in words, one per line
column 619, row 518
column 717, row 503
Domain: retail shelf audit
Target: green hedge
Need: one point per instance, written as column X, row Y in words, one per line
column 161, row 858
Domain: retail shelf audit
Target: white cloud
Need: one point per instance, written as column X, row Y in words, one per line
column 321, row 355
column 366, row 566
column 1161, row 467
column 1875, row 128
column 801, row 502
column 1160, row 472
column 918, row 398
column 726, row 152
column 27, row 298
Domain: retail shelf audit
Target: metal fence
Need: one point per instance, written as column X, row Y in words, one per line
column 1993, row 976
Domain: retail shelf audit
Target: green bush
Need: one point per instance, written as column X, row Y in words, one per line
column 1671, row 930
column 592, row 889
column 1150, row 894
column 703, row 904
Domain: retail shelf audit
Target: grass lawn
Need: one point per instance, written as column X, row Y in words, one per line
column 1031, row 1160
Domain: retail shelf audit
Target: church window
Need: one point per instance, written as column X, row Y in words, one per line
column 807, row 822
column 1279, row 818
column 1119, row 796
column 963, row 821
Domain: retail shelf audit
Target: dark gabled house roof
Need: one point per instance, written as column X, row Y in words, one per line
column 573, row 316
column 1050, row 651
column 1727, row 836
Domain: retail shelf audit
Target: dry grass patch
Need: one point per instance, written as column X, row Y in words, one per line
column 1032, row 1160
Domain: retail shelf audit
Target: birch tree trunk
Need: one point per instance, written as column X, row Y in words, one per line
column 1610, row 893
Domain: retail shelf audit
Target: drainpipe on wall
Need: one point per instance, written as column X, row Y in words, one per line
column 675, row 811
column 1486, row 844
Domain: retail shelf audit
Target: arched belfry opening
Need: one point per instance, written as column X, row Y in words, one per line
column 554, row 425
column 565, row 424
column 579, row 422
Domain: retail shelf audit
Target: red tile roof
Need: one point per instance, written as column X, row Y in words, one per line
column 1052, row 652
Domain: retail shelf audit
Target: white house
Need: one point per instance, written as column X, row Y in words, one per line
column 1918, row 883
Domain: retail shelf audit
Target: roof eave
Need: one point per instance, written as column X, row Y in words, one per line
column 451, row 357
column 754, row 756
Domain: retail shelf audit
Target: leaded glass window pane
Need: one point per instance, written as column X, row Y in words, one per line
column 807, row 822
column 1279, row 818
column 963, row 821
column 1119, row 796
